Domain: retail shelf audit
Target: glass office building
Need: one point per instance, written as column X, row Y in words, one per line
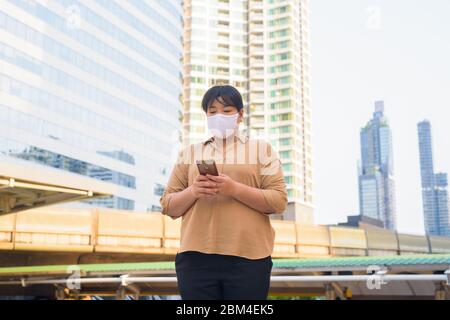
column 434, row 186
column 93, row 87
column 376, row 182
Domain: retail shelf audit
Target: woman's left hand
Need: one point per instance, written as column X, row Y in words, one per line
column 225, row 185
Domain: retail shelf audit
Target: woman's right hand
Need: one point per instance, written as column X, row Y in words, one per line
column 203, row 187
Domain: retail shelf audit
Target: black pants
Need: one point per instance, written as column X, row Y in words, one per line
column 210, row 276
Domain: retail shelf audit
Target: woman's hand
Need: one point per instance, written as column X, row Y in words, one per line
column 224, row 184
column 252, row 197
column 203, row 187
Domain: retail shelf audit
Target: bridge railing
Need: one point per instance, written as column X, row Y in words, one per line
column 116, row 231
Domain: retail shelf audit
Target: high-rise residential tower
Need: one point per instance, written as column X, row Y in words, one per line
column 93, row 88
column 261, row 47
column 376, row 183
column 434, row 186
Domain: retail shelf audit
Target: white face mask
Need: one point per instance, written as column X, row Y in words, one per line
column 223, row 126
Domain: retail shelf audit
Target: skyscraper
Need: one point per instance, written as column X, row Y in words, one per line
column 376, row 182
column 262, row 48
column 434, row 186
column 93, row 87
column 443, row 218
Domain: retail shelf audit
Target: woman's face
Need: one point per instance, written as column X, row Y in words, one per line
column 216, row 107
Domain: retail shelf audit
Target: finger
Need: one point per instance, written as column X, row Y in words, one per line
column 215, row 178
column 201, row 177
column 207, row 190
column 206, row 184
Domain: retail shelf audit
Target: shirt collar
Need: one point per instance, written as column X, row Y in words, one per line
column 240, row 135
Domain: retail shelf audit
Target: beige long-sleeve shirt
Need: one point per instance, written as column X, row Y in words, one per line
column 222, row 224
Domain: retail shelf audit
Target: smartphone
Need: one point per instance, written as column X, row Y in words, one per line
column 207, row 167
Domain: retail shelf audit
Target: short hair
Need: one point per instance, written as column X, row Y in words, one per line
column 229, row 94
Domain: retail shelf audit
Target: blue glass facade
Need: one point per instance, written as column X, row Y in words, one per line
column 376, row 183
column 443, row 217
column 434, row 186
column 93, row 87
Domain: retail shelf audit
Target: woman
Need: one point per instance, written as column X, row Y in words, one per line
column 226, row 236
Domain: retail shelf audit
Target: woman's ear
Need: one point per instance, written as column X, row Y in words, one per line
column 241, row 115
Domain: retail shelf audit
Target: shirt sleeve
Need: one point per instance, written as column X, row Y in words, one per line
column 178, row 181
column 273, row 185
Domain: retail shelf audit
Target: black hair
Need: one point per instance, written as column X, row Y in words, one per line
column 229, row 95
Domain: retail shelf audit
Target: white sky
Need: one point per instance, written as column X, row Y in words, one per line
column 366, row 50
